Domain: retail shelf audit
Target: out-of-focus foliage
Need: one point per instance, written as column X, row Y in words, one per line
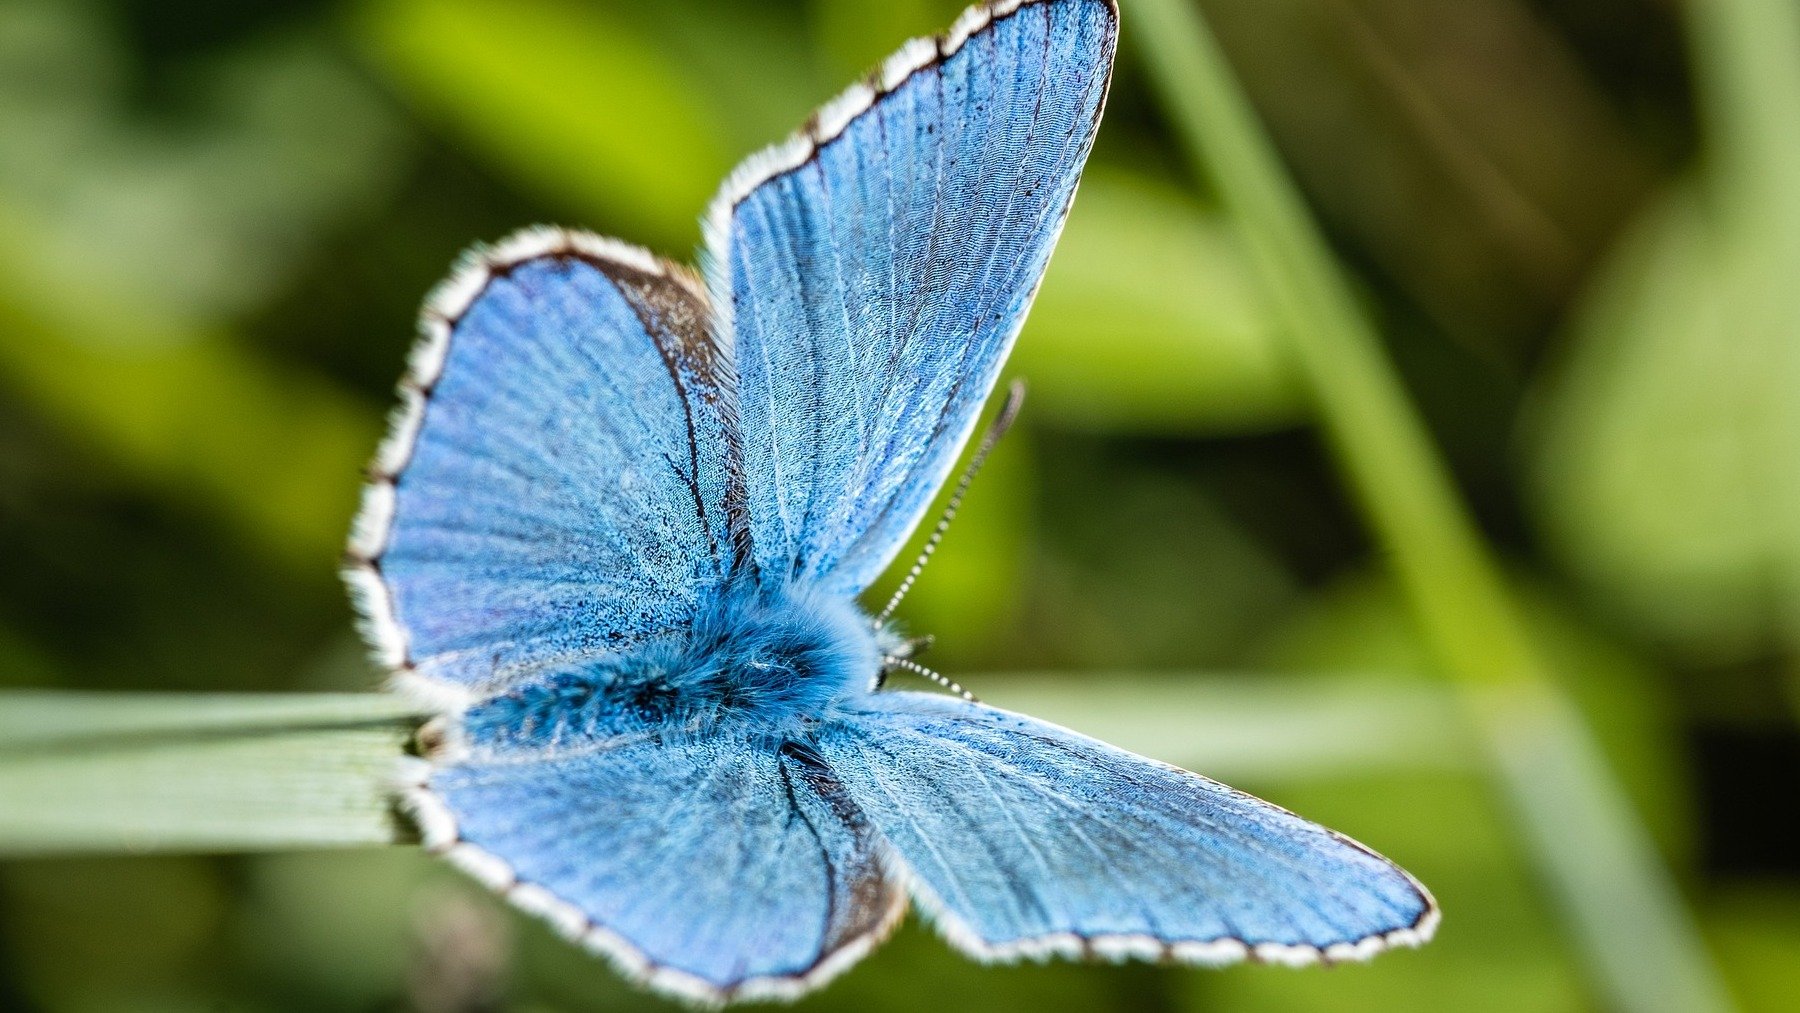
column 1565, row 805
column 216, row 222
column 564, row 97
column 1664, row 438
column 1477, row 112
column 1362, row 625
column 125, row 246
column 1667, row 450
column 1148, row 322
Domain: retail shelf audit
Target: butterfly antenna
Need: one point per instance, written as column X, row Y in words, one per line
column 1003, row 420
column 937, row 677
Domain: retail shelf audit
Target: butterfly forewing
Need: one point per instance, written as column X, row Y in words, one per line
column 563, row 486
column 872, row 274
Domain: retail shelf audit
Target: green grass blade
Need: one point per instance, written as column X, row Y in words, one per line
column 1642, row 947
column 96, row 773
column 140, row 773
column 37, row 719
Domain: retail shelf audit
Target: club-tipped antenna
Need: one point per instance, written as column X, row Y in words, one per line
column 937, row 677
column 1003, row 420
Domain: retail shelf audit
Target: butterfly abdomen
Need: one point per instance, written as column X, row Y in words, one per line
column 777, row 659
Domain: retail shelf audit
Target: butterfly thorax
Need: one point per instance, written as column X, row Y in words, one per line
column 772, row 660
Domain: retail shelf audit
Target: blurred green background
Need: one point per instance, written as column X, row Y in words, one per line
column 1574, row 224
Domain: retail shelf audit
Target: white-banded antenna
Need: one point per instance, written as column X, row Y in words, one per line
column 1003, row 420
column 937, row 677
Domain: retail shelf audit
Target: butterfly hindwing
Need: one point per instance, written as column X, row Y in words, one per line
column 1028, row 839
column 871, row 274
column 712, row 867
column 560, row 481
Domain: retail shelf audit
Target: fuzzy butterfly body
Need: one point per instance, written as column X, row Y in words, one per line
column 618, row 531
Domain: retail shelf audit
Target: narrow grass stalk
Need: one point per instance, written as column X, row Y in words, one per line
column 1644, row 952
column 89, row 773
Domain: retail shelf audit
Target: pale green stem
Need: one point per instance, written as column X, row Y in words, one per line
column 1643, row 949
column 103, row 772
column 94, row 772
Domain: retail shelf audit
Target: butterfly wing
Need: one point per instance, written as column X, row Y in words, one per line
column 1028, row 839
column 872, row 273
column 710, row 868
column 558, row 480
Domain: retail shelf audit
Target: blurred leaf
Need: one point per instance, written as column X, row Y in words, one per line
column 122, row 247
column 23, row 664
column 1162, row 577
column 333, row 930
column 182, row 226
column 120, row 933
column 1666, row 444
column 1462, row 147
column 1660, row 443
column 1362, row 624
column 190, row 411
column 720, row 46
column 568, row 98
column 1644, row 951
column 1756, row 929
column 1149, row 320
column 83, row 773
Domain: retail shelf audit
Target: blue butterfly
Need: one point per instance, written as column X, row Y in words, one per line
column 618, row 531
